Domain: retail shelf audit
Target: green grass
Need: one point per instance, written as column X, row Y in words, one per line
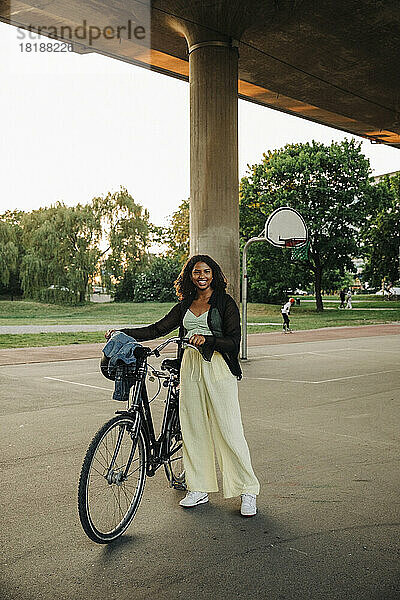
column 25, row 312
column 306, row 317
column 302, row 317
column 360, row 301
column 29, row 340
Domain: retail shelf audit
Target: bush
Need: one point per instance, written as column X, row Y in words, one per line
column 125, row 289
column 154, row 284
column 12, row 290
column 263, row 293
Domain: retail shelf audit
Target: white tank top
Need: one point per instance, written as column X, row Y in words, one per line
column 195, row 324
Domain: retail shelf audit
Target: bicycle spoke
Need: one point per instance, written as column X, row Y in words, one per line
column 96, row 471
column 175, row 459
column 133, row 472
column 106, row 458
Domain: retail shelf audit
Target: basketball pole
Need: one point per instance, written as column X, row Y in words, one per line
column 244, row 293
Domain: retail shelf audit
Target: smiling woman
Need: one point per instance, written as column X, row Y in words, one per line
column 209, row 406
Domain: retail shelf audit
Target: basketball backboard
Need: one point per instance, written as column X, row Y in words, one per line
column 286, row 228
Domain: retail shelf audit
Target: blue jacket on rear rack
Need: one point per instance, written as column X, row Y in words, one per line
column 120, row 350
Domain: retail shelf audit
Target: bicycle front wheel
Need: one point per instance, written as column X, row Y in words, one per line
column 112, row 480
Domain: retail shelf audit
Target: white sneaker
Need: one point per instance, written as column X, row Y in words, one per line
column 193, row 499
column 248, row 508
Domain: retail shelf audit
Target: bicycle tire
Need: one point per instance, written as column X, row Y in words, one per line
column 174, row 467
column 107, row 502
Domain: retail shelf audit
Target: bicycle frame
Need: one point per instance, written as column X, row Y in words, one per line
column 139, row 409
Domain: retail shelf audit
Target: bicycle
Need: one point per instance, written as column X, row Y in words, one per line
column 125, row 450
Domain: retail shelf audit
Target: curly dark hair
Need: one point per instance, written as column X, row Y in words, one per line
column 184, row 285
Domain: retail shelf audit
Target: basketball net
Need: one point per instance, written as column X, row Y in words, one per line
column 300, row 253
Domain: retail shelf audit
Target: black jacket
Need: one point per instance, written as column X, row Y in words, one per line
column 223, row 320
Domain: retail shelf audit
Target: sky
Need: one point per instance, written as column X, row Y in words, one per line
column 78, row 126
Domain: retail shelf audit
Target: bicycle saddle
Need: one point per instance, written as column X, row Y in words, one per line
column 171, row 364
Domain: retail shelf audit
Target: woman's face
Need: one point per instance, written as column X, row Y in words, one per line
column 201, row 275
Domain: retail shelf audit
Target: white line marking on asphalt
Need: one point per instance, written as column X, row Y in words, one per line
column 357, row 416
column 355, row 376
column 296, row 353
column 377, row 351
column 323, row 354
column 324, row 380
column 96, row 387
column 299, row 551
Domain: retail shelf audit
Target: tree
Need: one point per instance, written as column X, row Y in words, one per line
column 272, row 276
column 176, row 236
column 61, row 252
column 8, row 252
column 11, row 253
column 63, row 246
column 334, row 280
column 152, row 278
column 328, row 185
column 126, row 231
column 381, row 233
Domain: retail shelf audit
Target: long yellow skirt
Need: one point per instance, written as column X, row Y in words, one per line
column 210, row 418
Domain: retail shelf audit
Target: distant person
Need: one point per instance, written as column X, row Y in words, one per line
column 285, row 310
column 342, row 299
column 349, row 304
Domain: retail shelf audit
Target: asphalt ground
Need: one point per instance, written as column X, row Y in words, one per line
column 321, row 419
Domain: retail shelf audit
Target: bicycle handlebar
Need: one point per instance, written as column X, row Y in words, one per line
column 142, row 351
column 176, row 340
column 189, row 345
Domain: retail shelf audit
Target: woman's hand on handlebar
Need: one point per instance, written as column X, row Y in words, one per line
column 109, row 333
column 197, row 340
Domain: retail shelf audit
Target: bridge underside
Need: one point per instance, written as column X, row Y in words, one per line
column 333, row 62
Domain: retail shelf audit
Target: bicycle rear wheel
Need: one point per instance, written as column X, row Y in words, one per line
column 174, row 467
column 112, row 480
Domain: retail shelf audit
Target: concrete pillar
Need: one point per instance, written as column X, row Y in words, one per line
column 5, row 9
column 214, row 206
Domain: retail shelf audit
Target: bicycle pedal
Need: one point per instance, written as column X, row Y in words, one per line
column 178, row 486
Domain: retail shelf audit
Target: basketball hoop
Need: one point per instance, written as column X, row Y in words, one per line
column 294, row 242
column 284, row 228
